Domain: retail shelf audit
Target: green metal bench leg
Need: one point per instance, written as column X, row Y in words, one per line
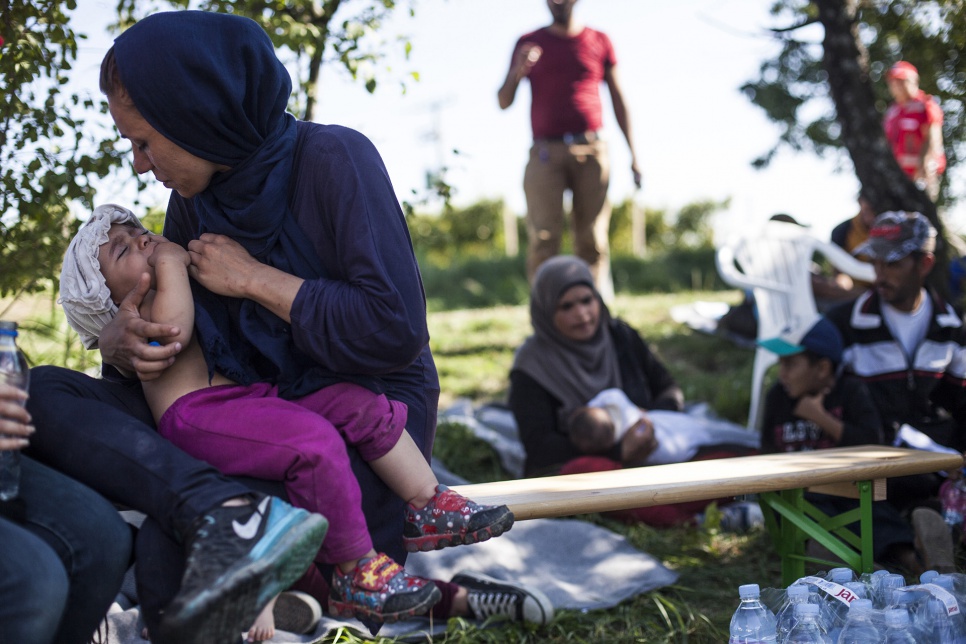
column 793, row 540
column 795, row 526
column 865, row 525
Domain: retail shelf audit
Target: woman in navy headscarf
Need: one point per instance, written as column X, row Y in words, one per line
column 294, row 230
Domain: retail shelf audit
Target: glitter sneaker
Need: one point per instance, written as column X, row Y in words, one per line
column 450, row 519
column 495, row 598
column 379, row 590
column 238, row 558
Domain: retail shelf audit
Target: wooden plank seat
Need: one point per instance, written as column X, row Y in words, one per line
column 779, row 480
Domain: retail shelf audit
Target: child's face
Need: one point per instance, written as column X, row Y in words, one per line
column 799, row 376
column 125, row 257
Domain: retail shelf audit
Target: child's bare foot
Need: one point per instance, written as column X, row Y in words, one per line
column 264, row 626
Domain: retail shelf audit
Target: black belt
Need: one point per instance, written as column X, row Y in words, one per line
column 572, row 138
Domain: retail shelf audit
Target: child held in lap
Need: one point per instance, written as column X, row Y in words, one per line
column 246, row 429
column 600, row 424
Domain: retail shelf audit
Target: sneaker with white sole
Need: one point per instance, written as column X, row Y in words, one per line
column 296, row 612
column 489, row 597
column 238, row 559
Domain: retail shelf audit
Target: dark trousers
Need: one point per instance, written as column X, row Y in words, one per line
column 61, row 569
column 101, row 433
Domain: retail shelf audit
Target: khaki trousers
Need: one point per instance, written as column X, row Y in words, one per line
column 584, row 169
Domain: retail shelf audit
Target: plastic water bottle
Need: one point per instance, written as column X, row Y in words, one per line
column 937, row 625
column 909, row 601
column 872, row 580
column 887, row 586
column 860, row 590
column 13, row 371
column 807, row 629
column 753, row 622
column 795, row 594
column 898, row 627
column 835, row 609
column 840, row 575
column 936, row 620
column 928, row 576
column 859, row 628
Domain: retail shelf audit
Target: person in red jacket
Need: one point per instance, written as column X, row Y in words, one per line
column 913, row 125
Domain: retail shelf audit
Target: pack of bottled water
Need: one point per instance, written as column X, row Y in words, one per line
column 841, row 607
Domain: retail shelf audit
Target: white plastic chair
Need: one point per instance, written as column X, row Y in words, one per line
column 775, row 264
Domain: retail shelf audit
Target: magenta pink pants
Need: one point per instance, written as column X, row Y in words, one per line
column 250, row 431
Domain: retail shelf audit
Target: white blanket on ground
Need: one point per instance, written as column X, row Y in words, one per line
column 589, row 567
column 680, row 434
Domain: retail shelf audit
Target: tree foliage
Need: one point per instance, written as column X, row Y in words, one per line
column 49, row 151
column 311, row 32
column 53, row 144
column 793, row 88
column 861, row 41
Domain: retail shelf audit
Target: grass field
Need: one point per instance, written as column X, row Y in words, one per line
column 474, row 351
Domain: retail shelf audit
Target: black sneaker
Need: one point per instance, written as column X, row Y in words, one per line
column 238, row 559
column 489, row 597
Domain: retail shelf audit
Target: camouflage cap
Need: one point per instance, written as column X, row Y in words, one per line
column 895, row 234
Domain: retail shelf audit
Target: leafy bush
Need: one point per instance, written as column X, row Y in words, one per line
column 501, row 281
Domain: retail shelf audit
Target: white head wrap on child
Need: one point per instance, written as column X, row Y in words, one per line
column 83, row 291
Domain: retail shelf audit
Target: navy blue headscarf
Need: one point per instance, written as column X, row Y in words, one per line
column 212, row 84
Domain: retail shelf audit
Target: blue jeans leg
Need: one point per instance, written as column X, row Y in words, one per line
column 33, row 587
column 89, row 537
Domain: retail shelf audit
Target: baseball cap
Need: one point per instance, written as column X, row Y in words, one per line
column 815, row 334
column 902, row 70
column 895, row 234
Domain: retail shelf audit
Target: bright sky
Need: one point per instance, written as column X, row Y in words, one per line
column 680, row 63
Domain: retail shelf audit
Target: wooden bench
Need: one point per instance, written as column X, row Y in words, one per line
column 779, row 480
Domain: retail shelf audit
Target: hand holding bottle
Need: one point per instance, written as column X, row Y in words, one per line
column 15, row 427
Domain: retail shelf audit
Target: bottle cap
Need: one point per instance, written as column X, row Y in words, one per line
column 896, row 617
column 749, row 590
column 797, row 590
column 860, row 605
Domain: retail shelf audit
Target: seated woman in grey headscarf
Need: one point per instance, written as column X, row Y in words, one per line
column 576, row 352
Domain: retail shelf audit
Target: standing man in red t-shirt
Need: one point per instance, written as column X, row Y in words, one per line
column 566, row 63
column 914, row 126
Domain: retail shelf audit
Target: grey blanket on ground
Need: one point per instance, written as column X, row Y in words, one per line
column 588, row 567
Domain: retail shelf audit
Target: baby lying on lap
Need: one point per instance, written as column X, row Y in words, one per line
column 596, row 427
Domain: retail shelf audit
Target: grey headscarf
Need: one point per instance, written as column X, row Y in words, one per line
column 573, row 372
column 83, row 291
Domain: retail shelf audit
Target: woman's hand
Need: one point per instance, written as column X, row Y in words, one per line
column 638, row 443
column 124, row 340
column 15, row 427
column 222, row 265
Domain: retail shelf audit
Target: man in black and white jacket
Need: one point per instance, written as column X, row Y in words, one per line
column 909, row 346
